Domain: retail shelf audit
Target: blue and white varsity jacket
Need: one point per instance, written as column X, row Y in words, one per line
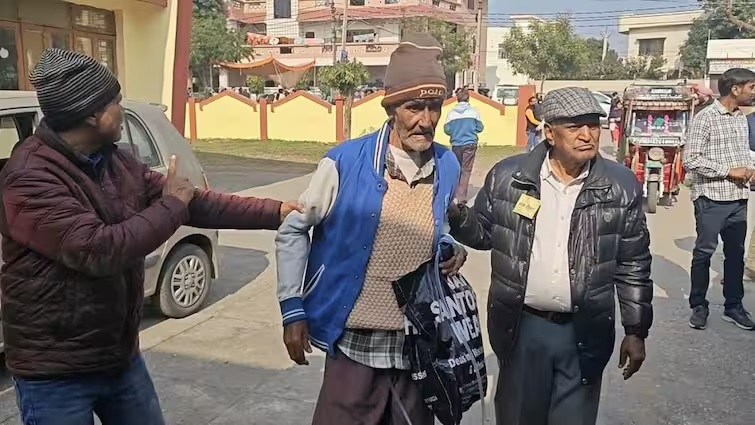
column 463, row 124
column 320, row 280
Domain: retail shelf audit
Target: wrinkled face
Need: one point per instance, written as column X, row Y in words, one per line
column 744, row 93
column 576, row 139
column 414, row 121
column 108, row 122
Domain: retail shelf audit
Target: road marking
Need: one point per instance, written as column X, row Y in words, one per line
column 7, row 390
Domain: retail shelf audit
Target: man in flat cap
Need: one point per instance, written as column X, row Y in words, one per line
column 79, row 215
column 378, row 206
column 567, row 232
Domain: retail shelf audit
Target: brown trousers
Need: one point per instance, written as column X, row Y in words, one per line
column 466, row 155
column 354, row 394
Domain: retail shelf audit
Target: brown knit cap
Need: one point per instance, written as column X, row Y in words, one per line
column 415, row 71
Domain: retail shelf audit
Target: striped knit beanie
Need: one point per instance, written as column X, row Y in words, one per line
column 415, row 71
column 71, row 87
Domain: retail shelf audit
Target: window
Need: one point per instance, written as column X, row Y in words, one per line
column 651, row 47
column 471, row 4
column 361, row 36
column 141, row 143
column 356, row 2
column 501, row 51
column 96, row 20
column 10, row 60
column 281, row 9
column 15, row 128
column 309, row 34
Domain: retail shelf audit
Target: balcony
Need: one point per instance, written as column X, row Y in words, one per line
column 370, row 54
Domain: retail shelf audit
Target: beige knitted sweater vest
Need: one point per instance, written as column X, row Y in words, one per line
column 404, row 240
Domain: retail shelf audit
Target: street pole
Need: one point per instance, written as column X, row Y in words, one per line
column 478, row 48
column 344, row 25
column 605, row 45
column 334, row 29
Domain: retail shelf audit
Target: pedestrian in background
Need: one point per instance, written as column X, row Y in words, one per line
column 717, row 157
column 463, row 126
column 532, row 124
column 567, row 231
column 79, row 216
column 377, row 207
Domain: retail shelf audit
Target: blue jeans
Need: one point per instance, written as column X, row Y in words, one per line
column 532, row 139
column 125, row 397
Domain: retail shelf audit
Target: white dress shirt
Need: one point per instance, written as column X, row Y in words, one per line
column 548, row 282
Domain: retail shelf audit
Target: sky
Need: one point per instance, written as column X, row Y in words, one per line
column 589, row 17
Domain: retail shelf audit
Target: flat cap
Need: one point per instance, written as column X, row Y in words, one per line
column 570, row 102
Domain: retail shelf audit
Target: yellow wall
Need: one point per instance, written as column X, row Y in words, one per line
column 367, row 117
column 226, row 116
column 302, row 119
column 146, row 40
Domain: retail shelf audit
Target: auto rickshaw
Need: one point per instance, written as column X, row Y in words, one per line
column 654, row 130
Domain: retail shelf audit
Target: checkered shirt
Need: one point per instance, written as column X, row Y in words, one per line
column 380, row 349
column 717, row 142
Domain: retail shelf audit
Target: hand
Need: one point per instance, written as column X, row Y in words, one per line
column 453, row 265
column 180, row 187
column 632, row 348
column 296, row 338
column 740, row 174
column 288, row 207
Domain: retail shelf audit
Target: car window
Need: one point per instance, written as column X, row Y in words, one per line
column 142, row 144
column 14, row 128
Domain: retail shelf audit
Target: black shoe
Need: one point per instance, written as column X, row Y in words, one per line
column 699, row 318
column 740, row 317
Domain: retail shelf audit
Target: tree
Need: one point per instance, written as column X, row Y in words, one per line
column 545, row 50
column 714, row 24
column 208, row 8
column 305, row 81
column 345, row 77
column 455, row 41
column 213, row 43
column 256, row 84
column 596, row 66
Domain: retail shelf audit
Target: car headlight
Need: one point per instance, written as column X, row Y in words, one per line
column 656, row 154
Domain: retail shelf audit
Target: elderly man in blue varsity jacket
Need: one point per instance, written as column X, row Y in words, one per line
column 378, row 208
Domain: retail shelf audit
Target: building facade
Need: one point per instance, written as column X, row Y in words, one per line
column 659, row 34
column 301, row 32
column 144, row 42
column 726, row 54
column 498, row 70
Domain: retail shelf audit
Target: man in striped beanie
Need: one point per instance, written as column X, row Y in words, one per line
column 79, row 216
column 378, row 208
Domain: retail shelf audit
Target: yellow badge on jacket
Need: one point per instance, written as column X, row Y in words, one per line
column 527, row 206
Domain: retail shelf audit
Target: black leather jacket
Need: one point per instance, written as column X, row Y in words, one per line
column 608, row 252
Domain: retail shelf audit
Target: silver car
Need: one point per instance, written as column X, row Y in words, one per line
column 179, row 273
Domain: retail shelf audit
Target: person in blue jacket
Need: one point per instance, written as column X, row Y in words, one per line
column 377, row 208
column 463, row 125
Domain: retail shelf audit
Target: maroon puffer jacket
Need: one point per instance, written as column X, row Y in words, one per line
column 75, row 235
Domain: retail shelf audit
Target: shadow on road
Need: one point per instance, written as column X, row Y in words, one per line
column 230, row 173
column 670, row 277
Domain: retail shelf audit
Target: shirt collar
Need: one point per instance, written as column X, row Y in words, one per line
column 546, row 171
column 723, row 110
column 426, row 170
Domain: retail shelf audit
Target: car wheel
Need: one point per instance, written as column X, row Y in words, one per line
column 184, row 281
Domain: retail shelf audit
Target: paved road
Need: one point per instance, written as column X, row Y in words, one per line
column 226, row 364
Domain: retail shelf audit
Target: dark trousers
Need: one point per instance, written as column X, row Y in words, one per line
column 542, row 382
column 714, row 218
column 466, row 155
column 126, row 397
column 354, row 394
